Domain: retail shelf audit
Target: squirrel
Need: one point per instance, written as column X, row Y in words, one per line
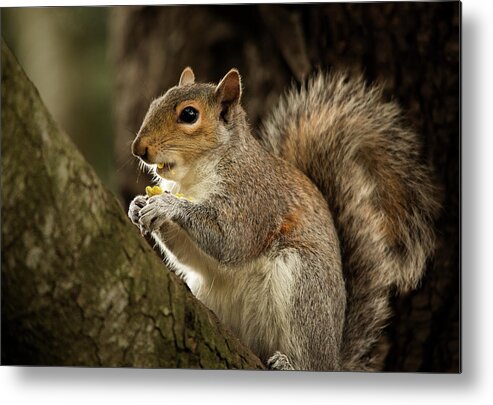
column 295, row 239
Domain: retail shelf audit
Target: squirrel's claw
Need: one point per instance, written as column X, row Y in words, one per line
column 157, row 210
column 279, row 361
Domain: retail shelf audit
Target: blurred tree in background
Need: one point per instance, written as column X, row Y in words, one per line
column 64, row 52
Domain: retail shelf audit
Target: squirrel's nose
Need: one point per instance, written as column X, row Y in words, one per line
column 140, row 148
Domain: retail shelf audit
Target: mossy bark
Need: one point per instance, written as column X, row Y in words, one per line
column 80, row 286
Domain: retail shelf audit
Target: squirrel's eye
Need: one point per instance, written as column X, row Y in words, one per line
column 189, row 115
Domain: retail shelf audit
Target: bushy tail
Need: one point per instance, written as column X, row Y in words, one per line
column 354, row 147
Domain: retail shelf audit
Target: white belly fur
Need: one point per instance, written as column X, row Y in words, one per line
column 252, row 299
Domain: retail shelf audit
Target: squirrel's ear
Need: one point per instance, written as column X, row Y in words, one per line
column 187, row 77
column 228, row 91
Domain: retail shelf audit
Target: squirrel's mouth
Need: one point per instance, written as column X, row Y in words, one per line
column 166, row 169
column 165, row 166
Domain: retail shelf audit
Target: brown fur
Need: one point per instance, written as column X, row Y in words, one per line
column 161, row 130
column 354, row 147
column 290, row 222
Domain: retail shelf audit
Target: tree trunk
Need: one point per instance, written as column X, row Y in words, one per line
column 413, row 47
column 80, row 286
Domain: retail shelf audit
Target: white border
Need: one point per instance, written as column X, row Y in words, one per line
column 474, row 386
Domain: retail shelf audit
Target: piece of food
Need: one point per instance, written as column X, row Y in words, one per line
column 180, row 195
column 156, row 190
column 152, row 191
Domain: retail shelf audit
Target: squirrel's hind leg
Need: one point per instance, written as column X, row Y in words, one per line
column 279, row 361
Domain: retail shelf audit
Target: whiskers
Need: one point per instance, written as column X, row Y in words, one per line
column 132, row 132
column 124, row 164
column 149, row 169
column 182, row 148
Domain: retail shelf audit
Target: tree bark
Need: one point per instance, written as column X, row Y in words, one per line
column 80, row 286
column 412, row 47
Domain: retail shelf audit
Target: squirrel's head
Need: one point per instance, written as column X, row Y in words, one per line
column 189, row 120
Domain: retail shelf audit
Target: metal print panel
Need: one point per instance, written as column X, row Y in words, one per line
column 271, row 187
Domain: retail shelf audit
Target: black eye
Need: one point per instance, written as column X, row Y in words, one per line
column 189, row 115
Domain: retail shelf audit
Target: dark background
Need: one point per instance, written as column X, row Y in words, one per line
column 90, row 63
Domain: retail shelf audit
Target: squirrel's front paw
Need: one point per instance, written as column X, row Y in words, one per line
column 157, row 211
column 135, row 207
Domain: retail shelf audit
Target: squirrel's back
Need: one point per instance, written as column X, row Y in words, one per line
column 367, row 164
